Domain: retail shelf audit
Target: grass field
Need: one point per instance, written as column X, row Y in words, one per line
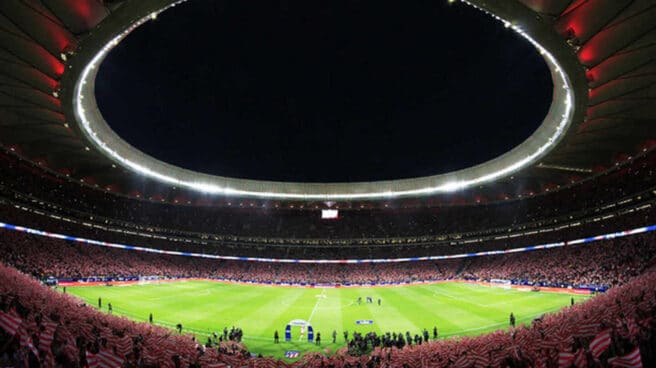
column 203, row 307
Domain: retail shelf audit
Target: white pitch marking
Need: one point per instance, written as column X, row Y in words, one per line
column 321, row 296
column 459, row 299
column 530, row 317
column 316, row 305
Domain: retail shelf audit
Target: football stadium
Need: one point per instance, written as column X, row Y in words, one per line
column 217, row 183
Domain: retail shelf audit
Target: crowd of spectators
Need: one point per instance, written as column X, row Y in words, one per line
column 603, row 263
column 609, row 263
column 272, row 225
column 45, row 257
column 640, row 214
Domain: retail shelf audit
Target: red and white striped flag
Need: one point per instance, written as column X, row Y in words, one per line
column 581, row 359
column 216, row 365
column 86, row 330
column 167, row 363
column 150, row 356
column 107, row 359
column 479, row 359
column 587, row 329
column 549, row 343
column 48, row 360
column 10, row 322
column 71, row 349
column 565, row 359
column 210, row 360
column 600, row 343
column 463, row 361
column 26, row 340
column 92, row 360
column 630, row 360
column 541, row 362
column 497, row 359
column 564, row 337
column 47, row 335
column 232, row 360
column 261, row 363
column 171, row 352
column 124, row 345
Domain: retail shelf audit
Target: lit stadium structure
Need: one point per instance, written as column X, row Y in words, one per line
column 549, row 134
column 600, row 56
column 595, row 178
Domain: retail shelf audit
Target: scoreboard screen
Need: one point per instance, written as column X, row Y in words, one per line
column 329, row 214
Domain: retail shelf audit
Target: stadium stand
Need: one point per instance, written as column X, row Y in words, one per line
column 607, row 263
column 44, row 203
column 24, row 183
column 42, row 325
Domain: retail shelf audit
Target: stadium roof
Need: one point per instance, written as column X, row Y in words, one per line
column 601, row 54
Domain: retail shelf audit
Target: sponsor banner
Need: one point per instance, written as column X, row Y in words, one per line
column 364, row 322
column 299, row 322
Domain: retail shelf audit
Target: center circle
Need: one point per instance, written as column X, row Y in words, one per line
column 313, row 92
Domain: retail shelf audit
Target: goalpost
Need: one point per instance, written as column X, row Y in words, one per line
column 144, row 280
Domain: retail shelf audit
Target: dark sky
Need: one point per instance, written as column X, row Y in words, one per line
column 324, row 91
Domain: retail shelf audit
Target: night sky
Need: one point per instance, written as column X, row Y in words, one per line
column 323, row 91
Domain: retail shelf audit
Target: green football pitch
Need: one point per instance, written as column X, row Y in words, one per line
column 203, row 307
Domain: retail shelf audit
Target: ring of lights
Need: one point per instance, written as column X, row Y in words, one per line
column 560, row 59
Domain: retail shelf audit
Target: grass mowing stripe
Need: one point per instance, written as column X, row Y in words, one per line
column 483, row 312
column 393, row 316
column 444, row 313
column 272, row 312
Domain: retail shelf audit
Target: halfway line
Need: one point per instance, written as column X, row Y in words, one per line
column 322, row 295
